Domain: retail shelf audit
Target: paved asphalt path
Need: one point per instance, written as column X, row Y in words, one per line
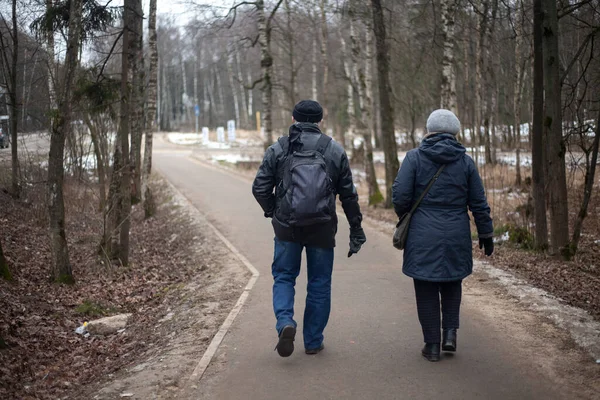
column 373, row 340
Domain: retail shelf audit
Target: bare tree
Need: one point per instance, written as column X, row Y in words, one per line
column 387, row 113
column 520, row 60
column 4, row 271
column 538, row 151
column 266, row 63
column 115, row 243
column 591, row 158
column 137, row 101
column 362, row 81
column 233, row 86
column 448, row 100
column 556, row 147
column 324, row 60
column 151, row 117
column 61, row 125
column 10, row 62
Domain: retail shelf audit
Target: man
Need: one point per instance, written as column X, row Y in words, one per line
column 296, row 185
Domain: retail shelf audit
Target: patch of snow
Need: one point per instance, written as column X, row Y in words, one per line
column 579, row 323
column 233, row 158
column 504, row 238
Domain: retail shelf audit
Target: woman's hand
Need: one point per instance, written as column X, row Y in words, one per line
column 488, row 243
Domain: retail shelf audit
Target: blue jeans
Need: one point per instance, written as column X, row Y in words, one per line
column 286, row 268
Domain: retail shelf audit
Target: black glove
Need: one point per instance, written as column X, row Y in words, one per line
column 488, row 243
column 357, row 239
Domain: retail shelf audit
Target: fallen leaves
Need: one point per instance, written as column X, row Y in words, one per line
column 41, row 356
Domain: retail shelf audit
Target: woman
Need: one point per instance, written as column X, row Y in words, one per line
column 438, row 251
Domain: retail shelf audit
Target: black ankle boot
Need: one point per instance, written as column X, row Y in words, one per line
column 449, row 340
column 431, row 351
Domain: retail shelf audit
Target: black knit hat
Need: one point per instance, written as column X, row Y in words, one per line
column 308, row 111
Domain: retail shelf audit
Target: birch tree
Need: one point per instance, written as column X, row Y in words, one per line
column 137, row 101
column 324, row 60
column 362, row 81
column 151, row 117
column 264, row 24
column 448, row 90
column 233, row 86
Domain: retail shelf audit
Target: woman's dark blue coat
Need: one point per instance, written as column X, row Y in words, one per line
column 439, row 244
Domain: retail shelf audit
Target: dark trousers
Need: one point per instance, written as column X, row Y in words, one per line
column 428, row 307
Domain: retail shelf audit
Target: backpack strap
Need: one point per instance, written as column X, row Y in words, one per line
column 322, row 143
column 284, row 142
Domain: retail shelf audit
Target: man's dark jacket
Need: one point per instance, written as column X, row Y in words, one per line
column 303, row 136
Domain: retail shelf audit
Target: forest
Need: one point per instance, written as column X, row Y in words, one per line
column 95, row 80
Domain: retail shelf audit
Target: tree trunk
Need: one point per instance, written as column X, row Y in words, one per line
column 350, row 93
column 479, row 70
column 119, row 205
column 250, row 97
column 590, row 175
column 221, row 105
column 266, row 64
column 387, row 113
column 324, row 61
column 234, row 91
column 127, row 97
column 137, row 101
column 518, row 87
column 151, row 117
column 556, row 147
column 490, row 85
column 61, row 126
column 14, row 103
column 242, row 89
column 99, row 159
column 315, row 91
column 4, row 270
column 448, row 89
column 538, row 151
column 51, row 60
column 360, row 71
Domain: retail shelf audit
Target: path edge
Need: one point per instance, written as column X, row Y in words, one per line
column 216, row 341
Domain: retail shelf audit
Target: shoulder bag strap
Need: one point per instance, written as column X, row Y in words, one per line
column 431, row 182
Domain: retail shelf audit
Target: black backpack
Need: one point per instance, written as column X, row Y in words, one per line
column 305, row 193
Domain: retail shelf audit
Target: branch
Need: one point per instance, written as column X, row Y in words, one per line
column 273, row 13
column 112, row 49
column 234, row 10
column 572, row 8
column 581, row 49
column 256, row 82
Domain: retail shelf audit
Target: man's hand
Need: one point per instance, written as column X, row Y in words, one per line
column 357, row 239
column 488, row 243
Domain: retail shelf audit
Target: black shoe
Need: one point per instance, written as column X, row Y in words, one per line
column 449, row 341
column 315, row 351
column 431, row 351
column 285, row 346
